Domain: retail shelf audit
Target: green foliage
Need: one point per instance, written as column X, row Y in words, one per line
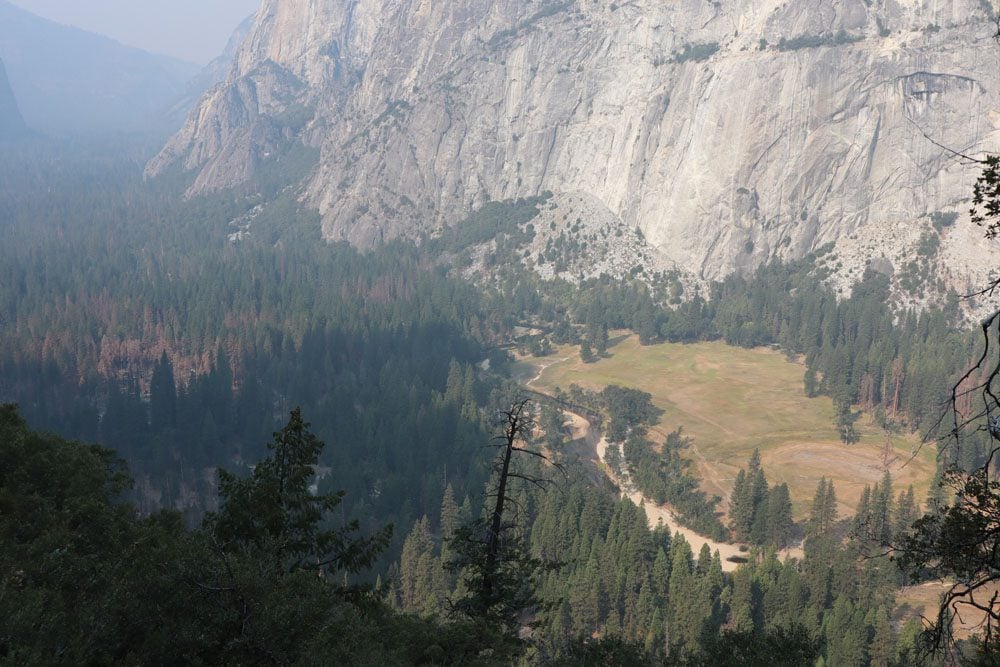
column 957, row 542
column 780, row 647
column 696, row 52
column 845, row 422
column 875, row 519
column 929, row 245
column 381, row 348
column 550, row 8
column 759, row 513
column 856, row 350
column 553, row 424
column 986, row 195
column 941, row 220
column 84, row 580
column 495, row 220
column 603, row 652
column 627, row 409
column 274, row 511
column 362, row 341
column 59, row 532
column 498, row 594
column 490, row 556
column 667, row 478
column 813, row 41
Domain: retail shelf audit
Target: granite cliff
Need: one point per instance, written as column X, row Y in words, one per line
column 728, row 132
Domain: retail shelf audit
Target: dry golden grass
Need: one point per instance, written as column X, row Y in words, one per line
column 731, row 400
column 924, row 600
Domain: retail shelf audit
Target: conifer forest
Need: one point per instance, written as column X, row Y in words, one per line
column 240, row 427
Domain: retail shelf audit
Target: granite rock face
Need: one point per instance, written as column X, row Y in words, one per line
column 727, row 132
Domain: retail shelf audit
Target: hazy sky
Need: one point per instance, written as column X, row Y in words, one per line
column 195, row 30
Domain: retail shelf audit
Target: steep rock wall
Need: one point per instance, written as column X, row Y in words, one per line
column 728, row 132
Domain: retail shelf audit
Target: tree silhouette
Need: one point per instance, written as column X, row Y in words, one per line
column 497, row 569
column 274, row 511
column 960, row 541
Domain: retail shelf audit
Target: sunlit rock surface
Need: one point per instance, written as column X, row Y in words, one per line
column 727, row 132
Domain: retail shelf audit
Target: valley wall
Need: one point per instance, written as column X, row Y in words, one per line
column 727, row 132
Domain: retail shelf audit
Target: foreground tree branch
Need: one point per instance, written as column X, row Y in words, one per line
column 497, row 570
column 959, row 541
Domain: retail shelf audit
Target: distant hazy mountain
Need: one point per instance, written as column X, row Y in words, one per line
column 11, row 122
column 216, row 71
column 69, row 81
column 213, row 74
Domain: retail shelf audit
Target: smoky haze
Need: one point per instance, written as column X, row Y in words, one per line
column 192, row 30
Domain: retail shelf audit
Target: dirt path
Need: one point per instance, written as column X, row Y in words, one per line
column 597, row 446
column 657, row 514
column 541, row 369
column 687, row 409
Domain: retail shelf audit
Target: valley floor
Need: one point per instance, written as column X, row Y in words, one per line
column 730, row 401
column 597, row 446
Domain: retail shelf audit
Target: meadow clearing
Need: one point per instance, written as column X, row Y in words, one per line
column 730, row 400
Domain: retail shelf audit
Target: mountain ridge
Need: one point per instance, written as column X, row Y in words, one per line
column 70, row 81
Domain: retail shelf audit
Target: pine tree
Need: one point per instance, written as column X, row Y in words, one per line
column 416, row 571
column 163, row 395
column 882, row 510
column 760, row 530
column 453, row 393
column 553, row 425
column 823, row 511
column 883, row 647
column 779, row 516
column 741, row 506
column 585, row 598
column 906, row 512
column 811, row 385
column 704, row 562
column 862, row 525
column 498, row 572
column 654, row 643
column 846, row 634
column 274, row 512
column 749, row 502
column 661, row 576
column 689, row 601
column 829, row 506
column 820, row 545
column 758, row 482
column 450, row 514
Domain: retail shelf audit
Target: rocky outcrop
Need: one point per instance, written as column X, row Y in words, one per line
column 727, row 132
column 212, row 75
